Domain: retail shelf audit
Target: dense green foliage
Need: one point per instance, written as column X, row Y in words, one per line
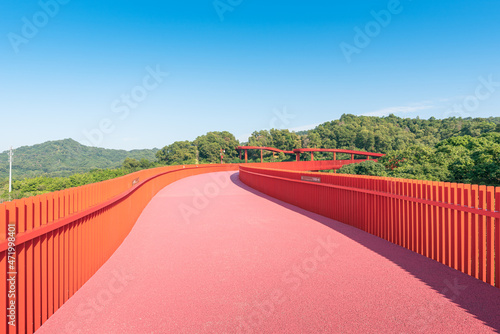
column 64, row 158
column 42, row 184
column 281, row 139
column 368, row 167
column 180, row 152
column 204, row 149
column 391, row 133
column 209, row 146
column 462, row 159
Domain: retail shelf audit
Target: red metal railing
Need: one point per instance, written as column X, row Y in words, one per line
column 59, row 240
column 455, row 224
column 63, row 238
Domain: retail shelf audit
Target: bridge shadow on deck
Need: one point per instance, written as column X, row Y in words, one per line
column 476, row 297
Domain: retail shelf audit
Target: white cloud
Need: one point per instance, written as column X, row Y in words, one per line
column 305, row 127
column 243, row 137
column 130, row 139
column 398, row 110
column 438, row 104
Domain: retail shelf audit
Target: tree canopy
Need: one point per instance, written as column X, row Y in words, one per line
column 178, row 153
column 209, row 146
column 462, row 159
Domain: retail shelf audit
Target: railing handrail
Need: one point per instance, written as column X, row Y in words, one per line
column 455, row 224
column 43, row 229
column 445, row 205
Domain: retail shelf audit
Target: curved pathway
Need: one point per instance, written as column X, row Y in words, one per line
column 210, row 255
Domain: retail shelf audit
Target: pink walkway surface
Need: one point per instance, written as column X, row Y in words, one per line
column 210, row 255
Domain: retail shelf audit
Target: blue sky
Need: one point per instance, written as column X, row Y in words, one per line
column 143, row 74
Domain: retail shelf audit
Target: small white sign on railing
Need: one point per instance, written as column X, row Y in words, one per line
column 311, row 178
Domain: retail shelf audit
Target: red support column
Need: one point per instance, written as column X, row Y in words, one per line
column 297, row 157
column 367, row 157
column 261, row 157
column 312, row 156
column 352, row 157
column 334, row 155
column 246, row 156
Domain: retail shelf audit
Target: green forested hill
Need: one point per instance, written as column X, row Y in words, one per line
column 452, row 150
column 64, row 158
column 376, row 134
column 385, row 134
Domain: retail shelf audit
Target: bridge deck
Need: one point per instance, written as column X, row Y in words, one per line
column 209, row 255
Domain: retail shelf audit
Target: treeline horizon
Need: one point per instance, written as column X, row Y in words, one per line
column 465, row 150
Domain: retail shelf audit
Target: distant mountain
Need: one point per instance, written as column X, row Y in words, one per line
column 65, row 157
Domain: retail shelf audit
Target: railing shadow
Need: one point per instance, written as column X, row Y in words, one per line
column 476, row 297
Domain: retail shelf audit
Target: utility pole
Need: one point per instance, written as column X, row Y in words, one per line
column 10, row 171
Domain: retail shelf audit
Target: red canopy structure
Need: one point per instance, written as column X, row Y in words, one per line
column 298, row 151
column 271, row 149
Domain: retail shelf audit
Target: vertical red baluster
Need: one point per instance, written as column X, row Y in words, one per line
column 482, row 235
column 460, row 229
column 37, row 275
column 497, row 239
column 21, row 272
column 44, row 252
column 12, row 263
column 3, row 269
column 475, row 232
column 490, row 237
column 447, row 225
column 454, row 227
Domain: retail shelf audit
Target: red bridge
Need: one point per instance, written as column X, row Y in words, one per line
column 252, row 248
column 299, row 151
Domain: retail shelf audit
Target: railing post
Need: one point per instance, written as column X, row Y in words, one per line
column 312, row 156
column 497, row 239
column 246, row 156
column 261, row 157
column 297, row 158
